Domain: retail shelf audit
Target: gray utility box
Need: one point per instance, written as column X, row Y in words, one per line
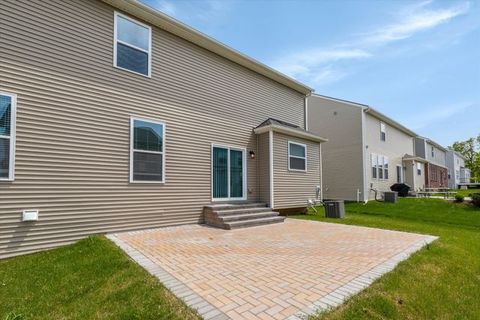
column 390, row 196
column 334, row 209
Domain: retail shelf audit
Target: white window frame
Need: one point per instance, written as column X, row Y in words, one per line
column 402, row 174
column 383, row 129
column 163, row 152
column 115, row 41
column 297, row 157
column 12, row 136
column 386, row 172
column 244, row 186
column 378, row 162
column 433, row 152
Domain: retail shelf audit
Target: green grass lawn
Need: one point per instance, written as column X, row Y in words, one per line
column 91, row 279
column 439, row 282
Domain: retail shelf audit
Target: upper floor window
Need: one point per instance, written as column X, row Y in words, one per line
column 383, row 132
column 433, row 152
column 132, row 45
column 297, row 156
column 147, row 151
column 7, row 135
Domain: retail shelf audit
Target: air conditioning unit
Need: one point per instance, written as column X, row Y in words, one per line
column 334, row 209
column 390, row 196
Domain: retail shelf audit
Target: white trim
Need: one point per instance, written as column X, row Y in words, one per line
column 117, row 14
column 306, row 113
column 244, row 174
column 291, row 132
column 365, row 162
column 321, row 171
column 297, row 157
column 270, row 159
column 12, row 137
column 163, row 152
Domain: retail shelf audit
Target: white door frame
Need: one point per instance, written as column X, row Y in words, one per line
column 244, row 167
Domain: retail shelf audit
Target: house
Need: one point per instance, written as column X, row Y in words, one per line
column 366, row 150
column 117, row 117
column 436, row 173
column 458, row 174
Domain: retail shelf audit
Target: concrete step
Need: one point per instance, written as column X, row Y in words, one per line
column 228, row 212
column 254, row 222
column 250, row 216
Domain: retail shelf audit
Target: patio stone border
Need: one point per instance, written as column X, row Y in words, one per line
column 193, row 300
column 339, row 295
column 329, row 301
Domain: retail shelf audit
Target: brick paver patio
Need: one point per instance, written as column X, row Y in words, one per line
column 278, row 271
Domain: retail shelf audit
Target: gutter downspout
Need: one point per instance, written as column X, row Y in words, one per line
column 364, row 158
column 270, row 158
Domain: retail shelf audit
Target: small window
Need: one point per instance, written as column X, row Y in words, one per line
column 147, row 151
column 132, row 45
column 297, row 156
column 374, row 161
column 383, row 132
column 419, row 168
column 433, row 152
column 7, row 136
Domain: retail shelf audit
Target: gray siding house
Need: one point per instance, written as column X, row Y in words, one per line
column 458, row 174
column 366, row 149
column 435, row 156
column 117, row 117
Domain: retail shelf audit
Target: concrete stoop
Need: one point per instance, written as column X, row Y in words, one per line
column 240, row 215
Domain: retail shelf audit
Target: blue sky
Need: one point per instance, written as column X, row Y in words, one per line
column 416, row 61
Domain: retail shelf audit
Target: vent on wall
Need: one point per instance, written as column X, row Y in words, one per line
column 30, row 215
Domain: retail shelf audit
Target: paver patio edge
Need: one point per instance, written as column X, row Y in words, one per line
column 339, row 295
column 193, row 300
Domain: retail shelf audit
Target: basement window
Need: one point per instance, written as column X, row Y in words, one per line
column 132, row 45
column 147, row 151
column 297, row 156
column 8, row 104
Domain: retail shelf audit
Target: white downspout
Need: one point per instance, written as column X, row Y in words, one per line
column 270, row 156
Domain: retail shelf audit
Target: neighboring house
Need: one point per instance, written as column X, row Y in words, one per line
column 116, row 117
column 436, row 173
column 365, row 151
column 458, row 174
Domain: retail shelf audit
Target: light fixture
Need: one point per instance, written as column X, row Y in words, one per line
column 252, row 154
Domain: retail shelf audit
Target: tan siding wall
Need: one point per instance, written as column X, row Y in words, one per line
column 72, row 158
column 397, row 144
column 292, row 188
column 263, row 162
column 416, row 181
column 342, row 154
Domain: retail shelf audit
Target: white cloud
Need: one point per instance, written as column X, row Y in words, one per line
column 413, row 21
column 166, row 7
column 316, row 66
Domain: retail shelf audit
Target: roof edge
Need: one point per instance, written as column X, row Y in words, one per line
column 290, row 131
column 390, row 121
column 171, row 25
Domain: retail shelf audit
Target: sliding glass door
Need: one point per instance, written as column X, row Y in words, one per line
column 228, row 173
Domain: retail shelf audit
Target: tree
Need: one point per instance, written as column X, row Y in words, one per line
column 470, row 149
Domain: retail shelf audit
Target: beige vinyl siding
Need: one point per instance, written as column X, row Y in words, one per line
column 73, row 111
column 397, row 144
column 341, row 124
column 293, row 188
column 263, row 167
column 415, row 181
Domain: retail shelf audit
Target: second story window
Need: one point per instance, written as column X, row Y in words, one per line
column 132, row 45
column 383, row 132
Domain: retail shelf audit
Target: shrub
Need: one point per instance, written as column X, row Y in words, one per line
column 476, row 199
column 459, row 198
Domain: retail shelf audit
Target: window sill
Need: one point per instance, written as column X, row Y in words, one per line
column 149, row 75
column 147, row 182
column 297, row 170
